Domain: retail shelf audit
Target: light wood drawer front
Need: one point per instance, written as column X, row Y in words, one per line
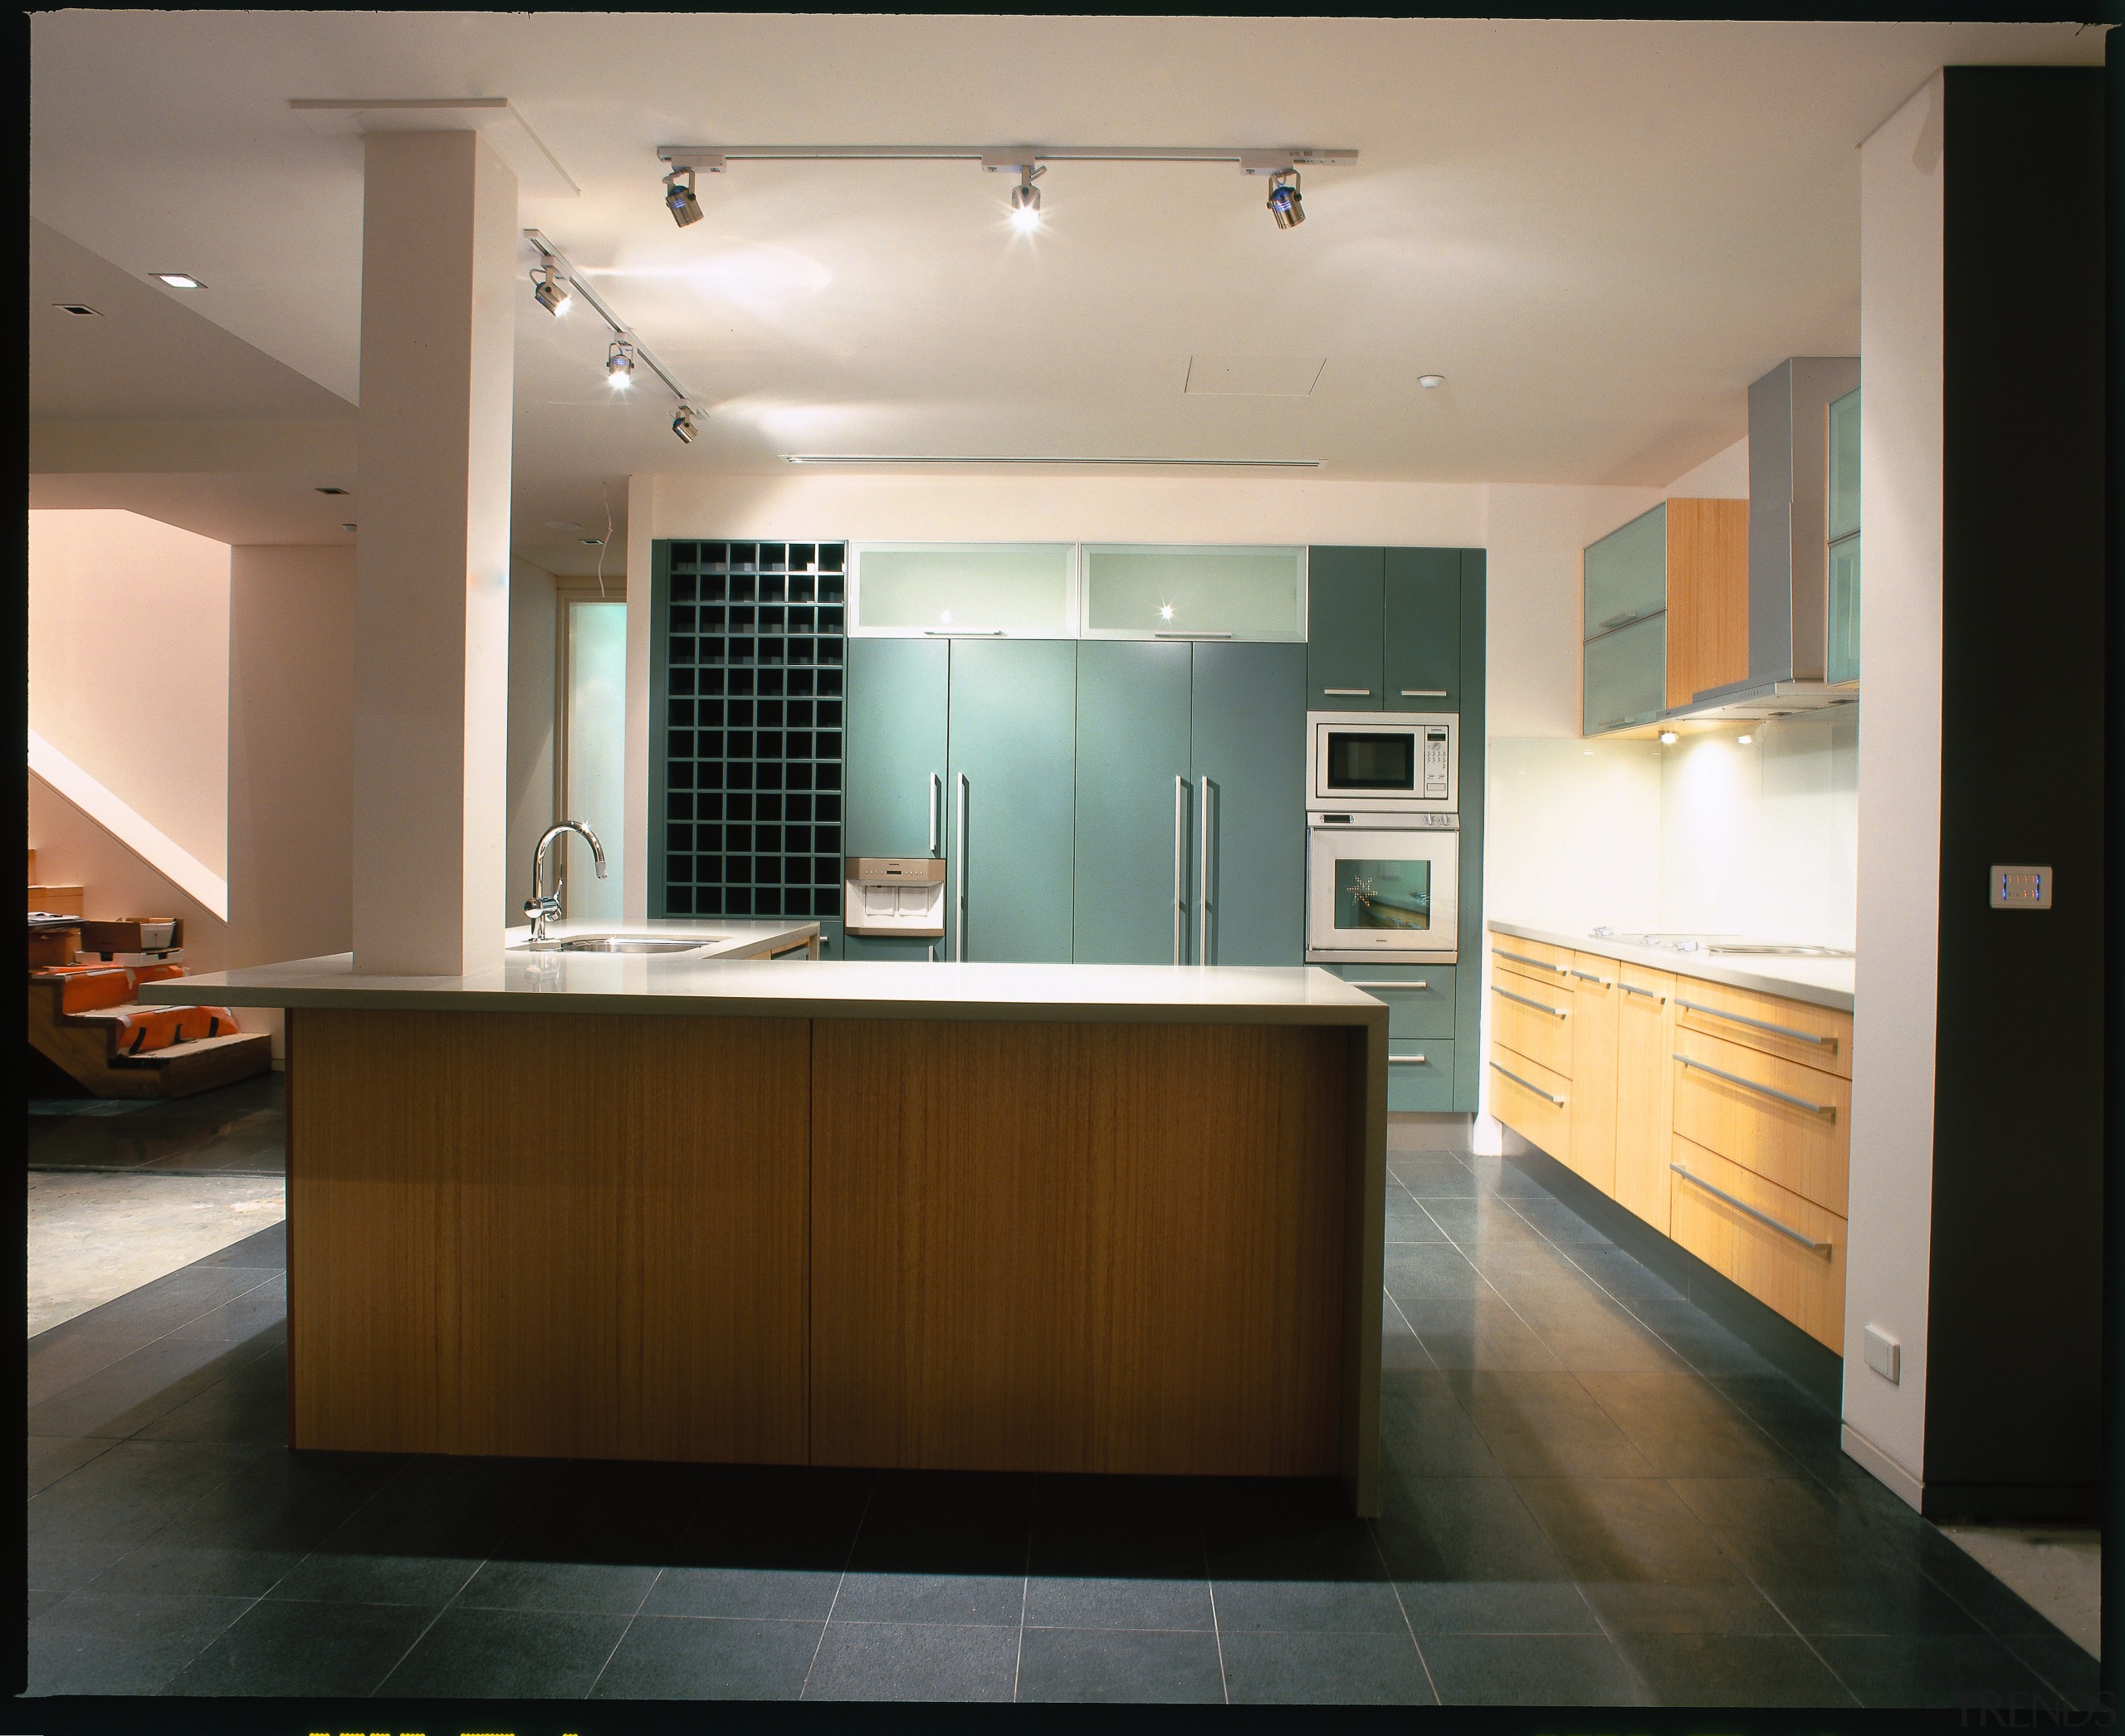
column 1533, row 1100
column 1775, row 1264
column 1533, row 1020
column 1793, row 1030
column 1792, row 1125
column 1537, row 959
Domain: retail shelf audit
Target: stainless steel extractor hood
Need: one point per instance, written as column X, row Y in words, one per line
column 1788, row 618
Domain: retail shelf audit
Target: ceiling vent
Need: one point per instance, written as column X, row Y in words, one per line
column 1254, row 376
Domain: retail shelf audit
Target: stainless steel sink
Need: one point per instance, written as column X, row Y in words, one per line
column 621, row 943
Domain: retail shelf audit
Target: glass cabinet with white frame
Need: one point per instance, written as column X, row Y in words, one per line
column 967, row 589
column 1148, row 591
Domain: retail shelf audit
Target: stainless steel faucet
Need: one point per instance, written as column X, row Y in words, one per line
column 546, row 907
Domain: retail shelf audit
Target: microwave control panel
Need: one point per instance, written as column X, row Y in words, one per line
column 1438, row 752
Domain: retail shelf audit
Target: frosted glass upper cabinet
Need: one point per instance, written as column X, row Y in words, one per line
column 1842, row 528
column 1020, row 590
column 1152, row 591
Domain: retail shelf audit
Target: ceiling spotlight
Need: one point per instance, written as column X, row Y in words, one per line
column 177, row 280
column 592, row 542
column 1284, row 203
column 1744, row 741
column 1431, row 382
column 331, row 491
column 79, row 310
column 1025, row 200
column 619, row 363
column 679, row 199
column 548, row 290
column 1667, row 738
column 683, row 425
column 346, row 527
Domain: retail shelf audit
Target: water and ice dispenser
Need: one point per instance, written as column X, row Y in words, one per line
column 902, row 895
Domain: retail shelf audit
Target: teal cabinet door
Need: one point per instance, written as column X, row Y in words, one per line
column 1423, row 629
column 1011, row 787
column 1132, row 773
column 1345, row 626
column 895, row 737
column 1248, row 737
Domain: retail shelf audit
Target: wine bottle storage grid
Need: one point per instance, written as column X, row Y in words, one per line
column 753, row 650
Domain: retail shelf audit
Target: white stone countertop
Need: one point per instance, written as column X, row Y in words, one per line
column 1826, row 982
column 721, row 986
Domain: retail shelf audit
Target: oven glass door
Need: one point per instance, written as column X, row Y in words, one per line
column 1381, row 892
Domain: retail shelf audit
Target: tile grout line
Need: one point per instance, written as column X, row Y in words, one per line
column 1025, row 1596
column 1372, row 1531
column 647, row 1593
column 819, row 1645
column 1216, row 1627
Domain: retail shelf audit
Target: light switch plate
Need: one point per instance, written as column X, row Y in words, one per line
column 1884, row 1355
column 2021, row 888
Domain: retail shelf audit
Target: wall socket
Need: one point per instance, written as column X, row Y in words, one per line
column 2021, row 888
column 1884, row 1355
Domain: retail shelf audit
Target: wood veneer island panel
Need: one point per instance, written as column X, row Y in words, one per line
column 1078, row 1247
column 551, row 1234
column 1118, row 1219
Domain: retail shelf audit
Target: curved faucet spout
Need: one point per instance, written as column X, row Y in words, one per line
column 544, row 907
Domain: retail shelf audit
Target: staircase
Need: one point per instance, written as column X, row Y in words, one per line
column 87, row 1019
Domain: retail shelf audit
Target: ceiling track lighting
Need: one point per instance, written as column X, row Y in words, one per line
column 1026, row 161
column 679, row 198
column 556, row 275
column 548, row 290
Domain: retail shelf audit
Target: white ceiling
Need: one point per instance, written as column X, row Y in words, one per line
column 1599, row 233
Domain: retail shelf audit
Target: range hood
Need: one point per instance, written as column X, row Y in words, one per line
column 1788, row 624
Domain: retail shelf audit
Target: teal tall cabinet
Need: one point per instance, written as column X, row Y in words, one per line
column 1132, row 773
column 1402, row 630
column 1009, row 769
column 1247, row 735
column 1162, row 729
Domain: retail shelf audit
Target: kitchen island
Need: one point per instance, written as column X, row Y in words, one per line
column 990, row 1216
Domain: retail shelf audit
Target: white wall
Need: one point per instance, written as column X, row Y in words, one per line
column 534, row 611
column 128, row 666
column 1899, row 843
column 1572, row 831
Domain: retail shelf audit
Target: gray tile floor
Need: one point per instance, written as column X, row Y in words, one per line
column 1594, row 1495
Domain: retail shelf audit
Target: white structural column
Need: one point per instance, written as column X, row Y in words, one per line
column 439, row 245
column 1897, row 929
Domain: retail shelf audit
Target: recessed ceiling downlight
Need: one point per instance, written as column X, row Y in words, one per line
column 177, row 280
column 1431, row 382
column 79, row 310
column 331, row 491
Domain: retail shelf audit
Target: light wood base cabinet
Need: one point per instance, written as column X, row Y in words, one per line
column 1645, row 1081
column 1620, row 1072
column 1785, row 1251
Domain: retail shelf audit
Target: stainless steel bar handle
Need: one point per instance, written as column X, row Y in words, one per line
column 1589, row 976
column 1423, row 692
column 1801, row 1236
column 1180, row 867
column 1348, row 692
column 1521, row 958
column 959, row 877
column 1526, row 1086
column 1417, row 983
column 1761, row 1024
column 1202, row 889
column 936, row 809
column 1632, row 988
column 1783, row 1096
column 1540, row 1006
column 1405, row 1060
column 1191, row 635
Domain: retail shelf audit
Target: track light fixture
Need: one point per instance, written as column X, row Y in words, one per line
column 619, row 363
column 679, row 198
column 548, row 290
column 683, row 425
column 1284, row 203
column 1025, row 200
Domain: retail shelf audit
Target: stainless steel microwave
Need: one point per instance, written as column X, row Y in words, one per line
column 1383, row 762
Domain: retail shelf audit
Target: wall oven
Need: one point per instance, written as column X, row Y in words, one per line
column 1382, row 888
column 1383, row 762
